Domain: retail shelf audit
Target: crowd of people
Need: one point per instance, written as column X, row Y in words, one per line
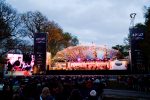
column 52, row 88
column 135, row 82
column 66, row 87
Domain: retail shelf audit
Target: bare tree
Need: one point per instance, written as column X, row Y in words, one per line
column 9, row 22
column 34, row 22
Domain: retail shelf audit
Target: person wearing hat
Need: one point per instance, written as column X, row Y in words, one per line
column 93, row 95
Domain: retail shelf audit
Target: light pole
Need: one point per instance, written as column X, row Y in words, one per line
column 132, row 16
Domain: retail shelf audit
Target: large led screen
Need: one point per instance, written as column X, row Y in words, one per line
column 19, row 65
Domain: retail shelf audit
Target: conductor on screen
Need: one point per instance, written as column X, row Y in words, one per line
column 17, row 64
column 9, row 66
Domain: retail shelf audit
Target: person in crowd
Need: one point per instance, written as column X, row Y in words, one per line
column 93, row 95
column 101, row 89
column 75, row 95
column 45, row 95
column 7, row 92
column 17, row 96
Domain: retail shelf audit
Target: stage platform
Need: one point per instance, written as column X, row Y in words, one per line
column 87, row 72
column 17, row 73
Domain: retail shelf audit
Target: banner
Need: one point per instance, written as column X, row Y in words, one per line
column 40, row 44
column 137, row 57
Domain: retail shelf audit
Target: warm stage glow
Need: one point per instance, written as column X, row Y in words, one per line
column 92, row 65
column 85, row 53
column 88, row 58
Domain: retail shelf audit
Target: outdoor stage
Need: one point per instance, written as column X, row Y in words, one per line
column 17, row 73
column 88, row 72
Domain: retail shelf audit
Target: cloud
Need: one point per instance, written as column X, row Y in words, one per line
column 101, row 21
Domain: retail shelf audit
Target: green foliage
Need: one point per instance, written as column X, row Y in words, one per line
column 69, row 40
column 145, row 45
column 123, row 50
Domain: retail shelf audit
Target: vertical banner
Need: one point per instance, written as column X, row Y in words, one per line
column 40, row 44
column 137, row 57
